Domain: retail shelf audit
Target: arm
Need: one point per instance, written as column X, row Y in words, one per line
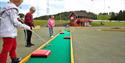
column 54, row 23
column 13, row 14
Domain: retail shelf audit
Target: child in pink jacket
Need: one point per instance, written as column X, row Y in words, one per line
column 51, row 24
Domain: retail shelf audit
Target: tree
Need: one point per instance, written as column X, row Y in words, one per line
column 103, row 16
column 113, row 16
column 120, row 15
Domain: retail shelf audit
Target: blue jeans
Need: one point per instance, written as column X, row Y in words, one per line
column 50, row 31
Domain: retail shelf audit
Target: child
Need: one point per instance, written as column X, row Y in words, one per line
column 51, row 24
column 8, row 30
column 29, row 21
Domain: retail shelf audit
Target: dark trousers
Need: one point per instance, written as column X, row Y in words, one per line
column 28, row 35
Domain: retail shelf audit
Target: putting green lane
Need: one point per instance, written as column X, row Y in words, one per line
column 60, row 51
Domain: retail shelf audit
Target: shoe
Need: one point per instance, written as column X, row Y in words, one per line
column 51, row 36
column 27, row 45
column 31, row 44
column 16, row 60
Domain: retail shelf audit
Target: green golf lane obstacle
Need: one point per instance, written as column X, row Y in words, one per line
column 60, row 51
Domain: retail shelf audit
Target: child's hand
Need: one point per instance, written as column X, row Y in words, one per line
column 27, row 27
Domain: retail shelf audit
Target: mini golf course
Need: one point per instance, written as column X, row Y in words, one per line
column 61, row 51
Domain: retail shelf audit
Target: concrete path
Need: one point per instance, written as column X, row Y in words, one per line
column 92, row 46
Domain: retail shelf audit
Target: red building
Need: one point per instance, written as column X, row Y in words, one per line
column 79, row 19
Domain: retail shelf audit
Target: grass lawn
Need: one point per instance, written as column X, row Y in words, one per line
column 108, row 24
column 64, row 22
column 44, row 22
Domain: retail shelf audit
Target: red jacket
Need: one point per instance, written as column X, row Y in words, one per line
column 29, row 20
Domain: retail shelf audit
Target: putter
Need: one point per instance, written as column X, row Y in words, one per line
column 41, row 38
column 38, row 36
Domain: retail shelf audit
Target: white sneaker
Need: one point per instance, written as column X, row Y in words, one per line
column 52, row 36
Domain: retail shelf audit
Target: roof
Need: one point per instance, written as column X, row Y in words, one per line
column 79, row 13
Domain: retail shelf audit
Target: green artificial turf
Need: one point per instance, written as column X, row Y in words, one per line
column 60, row 51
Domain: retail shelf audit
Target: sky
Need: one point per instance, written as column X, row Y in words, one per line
column 46, row 7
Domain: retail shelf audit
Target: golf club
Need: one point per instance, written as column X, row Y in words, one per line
column 41, row 38
column 37, row 35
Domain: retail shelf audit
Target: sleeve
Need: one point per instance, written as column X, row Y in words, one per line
column 13, row 14
column 53, row 23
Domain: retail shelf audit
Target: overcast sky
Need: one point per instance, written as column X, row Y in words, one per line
column 57, row 6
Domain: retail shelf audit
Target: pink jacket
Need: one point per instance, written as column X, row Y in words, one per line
column 51, row 23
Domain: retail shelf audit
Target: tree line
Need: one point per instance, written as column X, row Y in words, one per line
column 112, row 16
column 101, row 16
column 118, row 16
column 64, row 15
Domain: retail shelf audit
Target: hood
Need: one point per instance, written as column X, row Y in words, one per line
column 7, row 7
column 10, row 5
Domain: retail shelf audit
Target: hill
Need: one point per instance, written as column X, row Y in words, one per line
column 64, row 15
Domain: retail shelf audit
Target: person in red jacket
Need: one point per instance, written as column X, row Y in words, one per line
column 29, row 21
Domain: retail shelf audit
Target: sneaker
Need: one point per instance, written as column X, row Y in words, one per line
column 51, row 36
column 16, row 60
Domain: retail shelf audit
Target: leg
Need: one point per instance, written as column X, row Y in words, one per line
column 29, row 34
column 7, row 45
column 13, row 49
column 25, row 33
column 50, row 32
column 13, row 52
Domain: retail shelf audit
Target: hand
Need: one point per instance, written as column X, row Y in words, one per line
column 33, row 26
column 27, row 27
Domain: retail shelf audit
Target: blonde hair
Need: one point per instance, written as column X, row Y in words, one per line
column 32, row 8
